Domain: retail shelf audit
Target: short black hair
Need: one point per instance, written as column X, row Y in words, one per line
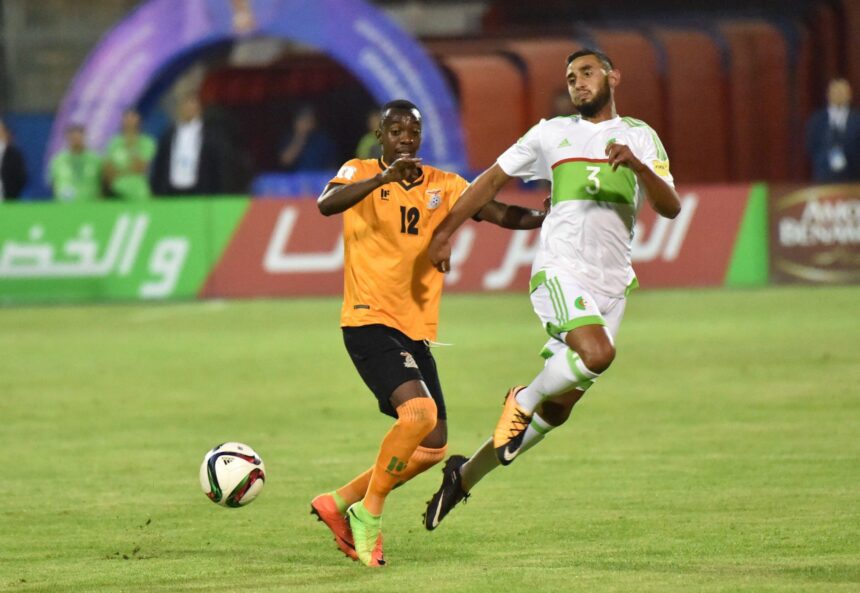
column 400, row 105
column 604, row 59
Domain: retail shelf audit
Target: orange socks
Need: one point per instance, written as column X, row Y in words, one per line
column 423, row 459
column 415, row 419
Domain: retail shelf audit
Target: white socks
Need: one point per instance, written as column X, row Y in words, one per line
column 484, row 460
column 563, row 372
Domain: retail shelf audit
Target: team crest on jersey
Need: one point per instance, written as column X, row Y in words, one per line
column 580, row 303
column 434, row 198
column 346, row 172
column 408, row 361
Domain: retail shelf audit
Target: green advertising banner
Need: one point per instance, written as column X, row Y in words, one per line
column 750, row 257
column 102, row 251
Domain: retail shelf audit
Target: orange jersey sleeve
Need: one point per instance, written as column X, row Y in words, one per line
column 388, row 278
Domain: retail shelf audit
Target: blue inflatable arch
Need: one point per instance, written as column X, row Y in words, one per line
column 161, row 33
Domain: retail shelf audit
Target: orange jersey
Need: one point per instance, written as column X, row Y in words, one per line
column 388, row 277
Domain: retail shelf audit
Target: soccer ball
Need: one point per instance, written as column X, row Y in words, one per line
column 232, row 474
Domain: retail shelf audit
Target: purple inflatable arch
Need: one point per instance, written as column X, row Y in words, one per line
column 388, row 62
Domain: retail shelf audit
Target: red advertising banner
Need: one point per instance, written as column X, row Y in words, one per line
column 695, row 248
column 286, row 248
column 815, row 234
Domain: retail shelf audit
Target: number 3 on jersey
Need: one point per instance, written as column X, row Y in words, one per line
column 409, row 220
column 593, row 173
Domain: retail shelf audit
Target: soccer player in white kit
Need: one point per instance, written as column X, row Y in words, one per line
column 601, row 166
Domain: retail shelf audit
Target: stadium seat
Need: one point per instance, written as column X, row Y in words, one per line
column 851, row 26
column 759, row 100
column 805, row 99
column 636, row 57
column 491, row 93
column 291, row 185
column 825, row 30
column 544, row 61
column 693, row 63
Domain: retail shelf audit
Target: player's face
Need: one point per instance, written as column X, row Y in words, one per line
column 588, row 83
column 400, row 134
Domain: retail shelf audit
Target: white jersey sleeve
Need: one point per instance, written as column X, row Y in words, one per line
column 649, row 149
column 527, row 159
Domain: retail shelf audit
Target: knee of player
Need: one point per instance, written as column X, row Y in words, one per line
column 598, row 357
column 419, row 414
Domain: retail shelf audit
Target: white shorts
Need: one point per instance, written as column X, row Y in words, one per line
column 563, row 304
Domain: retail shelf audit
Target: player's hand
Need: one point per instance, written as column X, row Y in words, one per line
column 620, row 154
column 440, row 253
column 402, row 168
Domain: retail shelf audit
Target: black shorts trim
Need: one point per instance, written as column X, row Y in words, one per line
column 387, row 358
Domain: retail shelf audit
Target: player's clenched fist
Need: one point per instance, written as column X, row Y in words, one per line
column 439, row 252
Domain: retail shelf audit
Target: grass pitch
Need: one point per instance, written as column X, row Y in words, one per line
column 720, row 453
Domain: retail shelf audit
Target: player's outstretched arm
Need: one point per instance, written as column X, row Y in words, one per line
column 477, row 195
column 512, row 217
column 338, row 197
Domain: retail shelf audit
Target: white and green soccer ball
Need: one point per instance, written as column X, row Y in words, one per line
column 232, row 474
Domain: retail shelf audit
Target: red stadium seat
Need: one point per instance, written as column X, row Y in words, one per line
column 759, row 101
column 635, row 56
column 806, row 99
column 545, row 61
column 697, row 135
column 491, row 93
column 825, row 30
column 851, row 27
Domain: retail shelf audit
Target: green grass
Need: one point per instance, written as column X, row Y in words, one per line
column 720, row 453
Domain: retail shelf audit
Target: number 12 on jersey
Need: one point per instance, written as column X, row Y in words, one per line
column 409, row 220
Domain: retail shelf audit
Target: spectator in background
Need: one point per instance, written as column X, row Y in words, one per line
column 189, row 159
column 127, row 158
column 76, row 171
column 13, row 172
column 369, row 146
column 309, row 148
column 833, row 137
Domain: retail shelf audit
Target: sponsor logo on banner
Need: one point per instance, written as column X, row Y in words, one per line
column 815, row 234
column 92, row 252
column 695, row 248
column 284, row 248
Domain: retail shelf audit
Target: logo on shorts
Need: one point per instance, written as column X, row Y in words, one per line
column 580, row 303
column 434, row 198
column 408, row 361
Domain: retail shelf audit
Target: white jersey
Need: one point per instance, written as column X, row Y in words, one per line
column 589, row 230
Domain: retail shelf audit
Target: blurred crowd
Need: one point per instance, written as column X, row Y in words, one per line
column 199, row 155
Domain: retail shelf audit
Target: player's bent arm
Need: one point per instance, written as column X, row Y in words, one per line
column 477, row 195
column 511, row 217
column 337, row 197
column 662, row 196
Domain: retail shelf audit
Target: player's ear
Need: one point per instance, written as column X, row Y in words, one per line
column 614, row 77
